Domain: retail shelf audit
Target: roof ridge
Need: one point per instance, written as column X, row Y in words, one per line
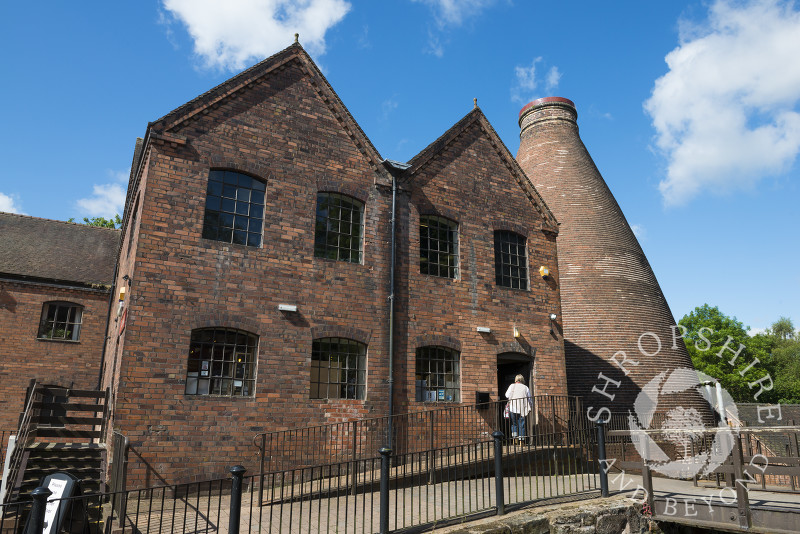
column 229, row 81
column 82, row 225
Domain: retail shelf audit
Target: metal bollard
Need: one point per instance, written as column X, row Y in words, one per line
column 386, row 454
column 498, row 472
column 236, row 498
column 40, row 496
column 601, row 458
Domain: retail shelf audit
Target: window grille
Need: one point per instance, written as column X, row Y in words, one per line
column 339, row 227
column 438, row 374
column 234, row 208
column 222, row 361
column 438, row 247
column 510, row 260
column 338, row 369
column 61, row 321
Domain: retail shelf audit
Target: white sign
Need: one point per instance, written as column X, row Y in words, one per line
column 57, row 487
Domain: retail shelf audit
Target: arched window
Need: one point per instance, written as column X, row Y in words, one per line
column 222, row 361
column 338, row 369
column 510, row 260
column 339, row 227
column 234, row 208
column 438, row 374
column 61, row 321
column 438, row 246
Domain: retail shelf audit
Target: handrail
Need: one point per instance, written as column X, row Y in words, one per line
column 23, row 437
column 360, row 439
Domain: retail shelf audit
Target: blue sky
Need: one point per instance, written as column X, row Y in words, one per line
column 690, row 109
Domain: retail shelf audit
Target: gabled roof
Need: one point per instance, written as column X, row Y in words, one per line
column 476, row 117
column 246, row 79
column 56, row 251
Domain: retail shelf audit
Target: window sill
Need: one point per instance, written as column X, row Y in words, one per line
column 194, row 396
column 208, row 243
column 50, row 340
column 337, row 262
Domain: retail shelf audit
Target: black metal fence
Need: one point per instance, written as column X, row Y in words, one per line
column 410, row 433
column 429, row 486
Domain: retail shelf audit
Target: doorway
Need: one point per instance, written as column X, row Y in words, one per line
column 509, row 365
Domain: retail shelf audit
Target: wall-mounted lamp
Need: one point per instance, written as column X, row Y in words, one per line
column 127, row 279
column 553, row 317
column 484, row 330
column 292, row 308
column 517, row 333
column 544, row 272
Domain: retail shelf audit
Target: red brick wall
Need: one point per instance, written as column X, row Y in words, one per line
column 469, row 184
column 283, row 133
column 24, row 357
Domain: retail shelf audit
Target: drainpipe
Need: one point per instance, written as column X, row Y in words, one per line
column 395, row 168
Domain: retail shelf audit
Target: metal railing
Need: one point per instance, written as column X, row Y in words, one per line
column 432, row 486
column 411, row 432
column 25, row 432
column 746, row 464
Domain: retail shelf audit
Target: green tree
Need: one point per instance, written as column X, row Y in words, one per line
column 713, row 339
column 783, row 328
column 102, row 222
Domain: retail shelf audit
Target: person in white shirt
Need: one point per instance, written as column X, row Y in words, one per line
column 519, row 406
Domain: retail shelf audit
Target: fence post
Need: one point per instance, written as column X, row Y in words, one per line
column 742, row 500
column 601, row 458
column 354, row 459
column 498, row 472
column 386, row 454
column 40, row 496
column 236, row 498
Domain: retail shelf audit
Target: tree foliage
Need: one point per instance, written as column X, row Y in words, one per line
column 713, row 339
column 102, row 222
column 783, row 328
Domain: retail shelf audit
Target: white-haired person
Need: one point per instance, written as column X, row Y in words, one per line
column 520, row 404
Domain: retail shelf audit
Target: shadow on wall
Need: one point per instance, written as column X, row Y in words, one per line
column 595, row 379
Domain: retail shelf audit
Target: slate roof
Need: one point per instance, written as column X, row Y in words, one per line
column 56, row 251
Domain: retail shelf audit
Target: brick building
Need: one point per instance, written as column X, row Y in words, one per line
column 257, row 257
column 55, row 282
column 268, row 250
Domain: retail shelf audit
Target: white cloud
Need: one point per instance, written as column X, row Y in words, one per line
column 726, row 112
column 553, row 77
column 388, row 105
column 449, row 14
column 107, row 199
column 526, row 83
column 455, row 12
column 10, row 204
column 228, row 35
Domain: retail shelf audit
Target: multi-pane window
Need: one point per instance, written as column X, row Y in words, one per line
column 338, row 369
column 61, row 320
column 438, row 374
column 339, row 227
column 234, row 208
column 510, row 260
column 222, row 361
column 438, row 247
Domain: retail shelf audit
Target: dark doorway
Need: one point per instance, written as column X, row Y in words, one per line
column 509, row 365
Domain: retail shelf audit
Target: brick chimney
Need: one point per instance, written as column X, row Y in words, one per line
column 610, row 296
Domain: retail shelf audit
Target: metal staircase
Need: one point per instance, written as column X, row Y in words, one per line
column 60, row 429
